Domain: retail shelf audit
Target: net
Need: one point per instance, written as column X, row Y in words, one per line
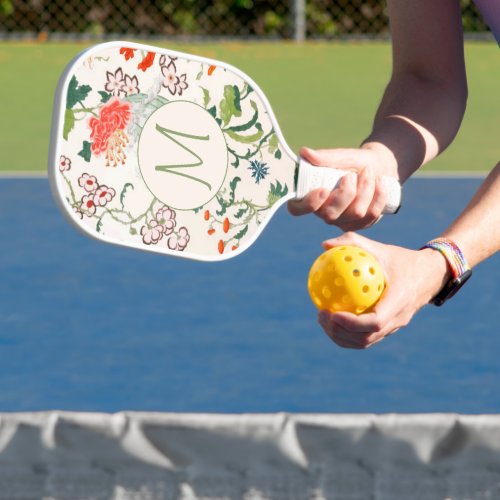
column 159, row 456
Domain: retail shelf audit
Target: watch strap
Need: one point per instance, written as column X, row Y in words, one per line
column 457, row 263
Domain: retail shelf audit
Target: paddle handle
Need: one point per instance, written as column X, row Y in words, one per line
column 312, row 177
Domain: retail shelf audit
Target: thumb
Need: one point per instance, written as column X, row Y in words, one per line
column 348, row 238
column 353, row 159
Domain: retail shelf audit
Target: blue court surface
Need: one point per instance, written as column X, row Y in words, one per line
column 86, row 326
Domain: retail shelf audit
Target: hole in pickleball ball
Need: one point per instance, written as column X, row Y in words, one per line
column 317, row 301
column 330, row 268
column 379, row 287
column 366, row 289
column 360, row 309
column 336, row 306
column 372, row 271
column 346, row 299
column 339, row 281
column 356, row 273
column 327, row 293
column 348, row 258
column 317, row 276
column 363, row 254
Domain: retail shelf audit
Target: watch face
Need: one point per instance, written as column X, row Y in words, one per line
column 451, row 288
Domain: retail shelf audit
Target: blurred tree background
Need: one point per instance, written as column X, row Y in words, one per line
column 195, row 18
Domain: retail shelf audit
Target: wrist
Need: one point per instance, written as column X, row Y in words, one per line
column 457, row 265
column 437, row 273
column 387, row 163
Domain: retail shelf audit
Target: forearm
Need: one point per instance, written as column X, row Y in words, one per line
column 477, row 230
column 416, row 121
column 424, row 102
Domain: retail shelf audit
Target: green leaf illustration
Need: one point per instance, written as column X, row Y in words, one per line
column 276, row 192
column 213, row 111
column 245, row 139
column 230, row 105
column 86, row 152
column 105, row 96
column 225, row 204
column 233, row 185
column 273, row 143
column 76, row 93
column 69, row 123
column 241, row 212
column 206, row 97
column 124, row 192
column 144, row 100
column 241, row 233
column 99, row 226
column 249, row 124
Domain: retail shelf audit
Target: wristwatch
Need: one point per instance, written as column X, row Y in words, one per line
column 459, row 267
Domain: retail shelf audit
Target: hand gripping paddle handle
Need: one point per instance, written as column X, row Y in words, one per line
column 312, row 177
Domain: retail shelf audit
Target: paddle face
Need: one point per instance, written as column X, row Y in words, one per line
column 166, row 152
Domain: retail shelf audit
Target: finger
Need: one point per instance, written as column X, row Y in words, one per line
column 342, row 340
column 337, row 158
column 348, row 238
column 310, row 203
column 374, row 211
column 356, row 215
column 379, row 201
column 365, row 324
column 344, row 344
column 362, row 340
column 340, row 335
column 339, row 199
column 365, row 191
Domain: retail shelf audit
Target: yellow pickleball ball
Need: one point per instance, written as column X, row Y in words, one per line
column 346, row 278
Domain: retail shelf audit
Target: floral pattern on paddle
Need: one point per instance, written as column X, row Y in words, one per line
column 117, row 94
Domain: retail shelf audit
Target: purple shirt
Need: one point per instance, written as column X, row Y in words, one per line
column 490, row 9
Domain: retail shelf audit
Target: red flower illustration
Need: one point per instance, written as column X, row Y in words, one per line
column 147, row 61
column 108, row 131
column 129, row 53
column 87, row 205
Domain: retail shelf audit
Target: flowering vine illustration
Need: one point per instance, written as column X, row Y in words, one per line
column 173, row 82
column 103, row 121
column 95, row 202
column 119, row 84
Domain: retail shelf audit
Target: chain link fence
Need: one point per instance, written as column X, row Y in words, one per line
column 284, row 19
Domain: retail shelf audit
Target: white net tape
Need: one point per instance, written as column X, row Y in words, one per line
column 153, row 456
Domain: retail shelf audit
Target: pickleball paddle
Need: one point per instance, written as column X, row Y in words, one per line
column 172, row 153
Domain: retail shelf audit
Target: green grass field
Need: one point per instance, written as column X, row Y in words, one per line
column 324, row 95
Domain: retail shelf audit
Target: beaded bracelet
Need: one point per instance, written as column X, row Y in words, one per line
column 460, row 269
